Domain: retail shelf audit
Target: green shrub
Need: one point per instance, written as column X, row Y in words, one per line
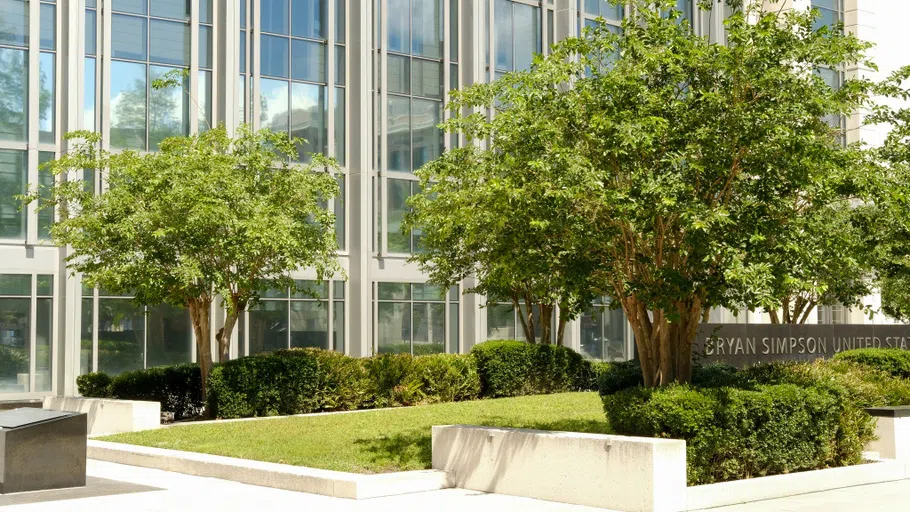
column 893, row 361
column 276, row 383
column 515, row 368
column 394, row 380
column 627, row 374
column 343, row 383
column 619, row 376
column 863, row 385
column 177, row 388
column 738, row 433
column 94, row 385
column 448, row 377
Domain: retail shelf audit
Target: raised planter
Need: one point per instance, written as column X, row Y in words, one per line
column 634, row 474
column 106, row 416
column 893, row 431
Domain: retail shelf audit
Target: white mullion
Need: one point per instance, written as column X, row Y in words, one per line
column 194, row 67
column 32, row 331
column 330, row 81
column 214, row 46
column 446, row 66
column 253, row 64
column 384, row 125
column 34, row 80
column 103, row 101
column 95, row 327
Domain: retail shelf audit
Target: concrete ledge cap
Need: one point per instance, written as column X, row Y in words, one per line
column 556, row 434
column 898, row 411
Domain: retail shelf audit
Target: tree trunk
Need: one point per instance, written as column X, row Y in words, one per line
column 223, row 336
column 546, row 324
column 561, row 329
column 664, row 347
column 526, row 319
column 200, row 313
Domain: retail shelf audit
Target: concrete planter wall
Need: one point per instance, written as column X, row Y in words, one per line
column 635, row 474
column 110, row 416
column 893, row 431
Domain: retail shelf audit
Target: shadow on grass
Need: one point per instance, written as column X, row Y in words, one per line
column 413, row 449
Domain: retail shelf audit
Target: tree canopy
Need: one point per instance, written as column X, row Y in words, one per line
column 652, row 166
column 208, row 215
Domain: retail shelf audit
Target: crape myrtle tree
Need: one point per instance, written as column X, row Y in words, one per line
column 678, row 165
column 887, row 220
column 206, row 216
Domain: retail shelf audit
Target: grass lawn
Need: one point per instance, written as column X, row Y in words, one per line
column 379, row 441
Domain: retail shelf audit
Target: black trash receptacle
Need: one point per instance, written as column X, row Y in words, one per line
column 42, row 449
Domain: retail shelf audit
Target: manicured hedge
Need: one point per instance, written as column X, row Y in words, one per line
column 310, row 380
column 891, row 360
column 178, row 388
column 735, row 433
column 627, row 374
column 515, row 368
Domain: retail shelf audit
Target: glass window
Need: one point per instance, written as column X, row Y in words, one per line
column 829, row 13
column 308, row 61
column 176, row 9
column 399, row 133
column 274, row 55
column 268, row 326
column 205, row 100
column 339, row 65
column 500, row 322
column 428, row 140
column 46, row 98
column 14, row 344
column 411, row 318
column 242, row 52
column 399, row 24
column 309, row 118
column 170, row 43
column 45, row 184
column 605, row 9
column 340, row 19
column 398, row 191
column 128, row 105
column 503, row 34
column 86, row 330
column 309, row 324
column 603, row 332
column 339, row 127
column 48, row 27
column 168, row 109
column 13, row 94
column 274, row 106
column 44, row 335
column 205, row 11
column 527, row 34
column 121, row 336
column 274, row 15
column 14, row 22
column 91, row 31
column 427, row 26
column 426, row 78
column 399, row 74
column 16, row 284
column 133, row 6
column 169, row 336
column 129, row 37
column 205, row 46
column 308, row 18
column 13, row 179
column 88, row 114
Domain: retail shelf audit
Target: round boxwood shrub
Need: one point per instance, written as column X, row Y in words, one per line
column 177, row 388
column 94, row 385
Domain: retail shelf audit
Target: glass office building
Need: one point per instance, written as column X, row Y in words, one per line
column 364, row 81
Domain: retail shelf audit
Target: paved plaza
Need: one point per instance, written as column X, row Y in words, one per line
column 118, row 487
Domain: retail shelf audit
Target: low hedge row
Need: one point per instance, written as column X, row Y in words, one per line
column 178, row 388
column 894, row 361
column 308, row 380
column 514, row 368
column 736, row 433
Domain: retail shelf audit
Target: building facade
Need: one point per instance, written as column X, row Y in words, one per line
column 364, row 81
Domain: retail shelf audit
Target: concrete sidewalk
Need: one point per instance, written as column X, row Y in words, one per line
column 117, row 487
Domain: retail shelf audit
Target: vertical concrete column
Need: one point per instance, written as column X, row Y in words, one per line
column 360, row 51
column 566, row 19
column 860, row 19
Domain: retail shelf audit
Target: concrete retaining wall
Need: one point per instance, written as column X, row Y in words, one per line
column 615, row 472
column 893, row 438
column 110, row 416
column 269, row 474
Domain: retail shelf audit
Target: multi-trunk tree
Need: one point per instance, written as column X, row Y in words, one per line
column 206, row 216
column 663, row 169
